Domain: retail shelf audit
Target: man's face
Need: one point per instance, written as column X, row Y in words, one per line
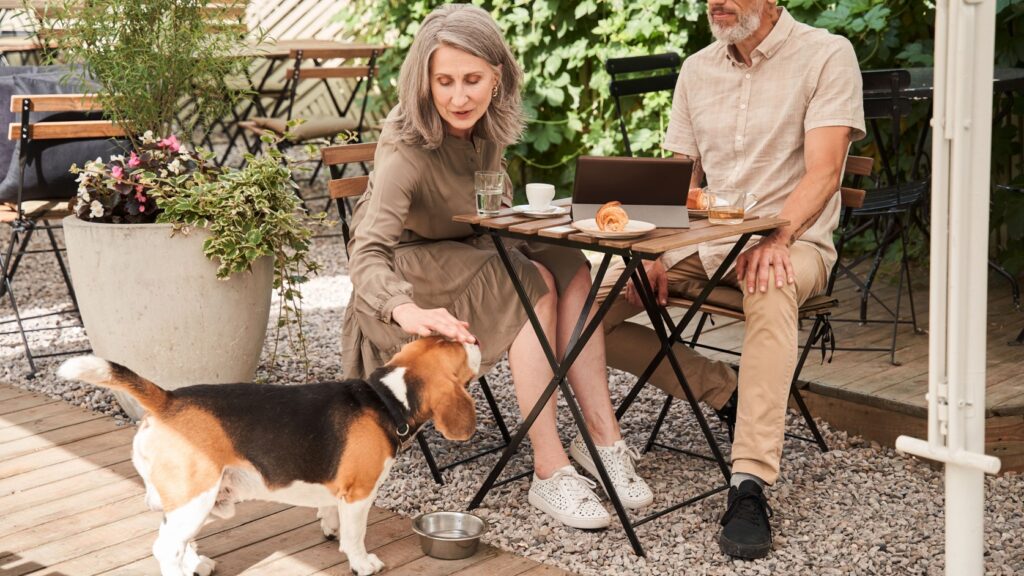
column 733, row 21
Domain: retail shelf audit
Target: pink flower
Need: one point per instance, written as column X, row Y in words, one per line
column 171, row 143
column 138, row 188
column 133, row 160
column 140, row 198
column 117, row 171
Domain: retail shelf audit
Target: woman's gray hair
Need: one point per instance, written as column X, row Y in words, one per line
column 472, row 30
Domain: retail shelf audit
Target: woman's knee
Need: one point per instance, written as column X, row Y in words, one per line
column 551, row 298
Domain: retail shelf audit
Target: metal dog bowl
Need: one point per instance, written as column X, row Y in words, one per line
column 449, row 535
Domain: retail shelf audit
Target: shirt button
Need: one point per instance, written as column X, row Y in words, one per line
column 743, row 106
column 746, row 75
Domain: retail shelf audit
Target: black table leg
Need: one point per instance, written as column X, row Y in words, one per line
column 582, row 333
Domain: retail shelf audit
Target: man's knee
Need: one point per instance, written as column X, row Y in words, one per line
column 774, row 301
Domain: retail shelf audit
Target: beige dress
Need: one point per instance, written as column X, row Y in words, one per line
column 406, row 248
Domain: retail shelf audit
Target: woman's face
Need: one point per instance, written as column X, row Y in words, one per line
column 461, row 85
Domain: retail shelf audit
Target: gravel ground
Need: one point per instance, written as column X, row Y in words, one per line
column 859, row 509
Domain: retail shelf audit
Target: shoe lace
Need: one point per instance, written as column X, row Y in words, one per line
column 750, row 507
column 627, row 457
column 579, row 488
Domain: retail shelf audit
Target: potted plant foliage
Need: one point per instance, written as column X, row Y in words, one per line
column 174, row 259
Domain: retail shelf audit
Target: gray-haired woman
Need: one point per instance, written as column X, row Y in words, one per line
column 415, row 272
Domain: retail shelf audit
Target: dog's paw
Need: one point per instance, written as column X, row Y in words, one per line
column 369, row 564
column 204, row 567
column 330, row 523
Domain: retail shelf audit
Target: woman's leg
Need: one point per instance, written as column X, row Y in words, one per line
column 588, row 375
column 531, row 373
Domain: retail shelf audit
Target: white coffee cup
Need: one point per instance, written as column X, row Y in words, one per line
column 540, row 195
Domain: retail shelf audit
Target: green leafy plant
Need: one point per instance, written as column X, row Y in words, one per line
column 563, row 47
column 166, row 64
column 151, row 58
column 251, row 213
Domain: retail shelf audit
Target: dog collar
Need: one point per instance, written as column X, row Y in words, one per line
column 395, row 409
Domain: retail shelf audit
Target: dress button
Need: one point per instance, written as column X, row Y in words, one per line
column 746, row 75
column 743, row 106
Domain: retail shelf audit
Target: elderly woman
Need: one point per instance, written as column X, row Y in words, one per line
column 415, row 272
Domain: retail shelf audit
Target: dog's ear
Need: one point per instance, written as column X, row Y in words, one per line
column 455, row 413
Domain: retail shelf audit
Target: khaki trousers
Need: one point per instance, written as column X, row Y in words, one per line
column 770, row 352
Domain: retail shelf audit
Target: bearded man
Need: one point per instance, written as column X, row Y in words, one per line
column 770, row 108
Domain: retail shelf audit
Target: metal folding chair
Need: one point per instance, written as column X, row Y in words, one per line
column 26, row 217
column 638, row 75
column 892, row 206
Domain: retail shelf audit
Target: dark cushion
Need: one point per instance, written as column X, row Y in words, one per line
column 48, row 161
column 7, row 74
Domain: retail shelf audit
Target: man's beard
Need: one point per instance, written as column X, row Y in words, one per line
column 746, row 24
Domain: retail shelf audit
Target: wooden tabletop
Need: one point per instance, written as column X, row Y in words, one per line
column 283, row 48
column 653, row 243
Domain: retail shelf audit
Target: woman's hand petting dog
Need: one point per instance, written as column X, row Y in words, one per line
column 421, row 322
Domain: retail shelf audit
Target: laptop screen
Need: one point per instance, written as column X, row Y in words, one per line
column 650, row 189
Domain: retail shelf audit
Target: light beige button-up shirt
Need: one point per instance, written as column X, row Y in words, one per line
column 747, row 123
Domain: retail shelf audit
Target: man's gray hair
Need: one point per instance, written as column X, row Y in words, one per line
column 472, row 30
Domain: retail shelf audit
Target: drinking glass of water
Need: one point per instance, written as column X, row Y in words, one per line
column 489, row 187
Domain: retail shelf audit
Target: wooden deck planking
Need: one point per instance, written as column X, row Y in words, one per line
column 71, row 503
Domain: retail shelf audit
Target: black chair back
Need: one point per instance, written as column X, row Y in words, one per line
column 884, row 100
column 663, row 70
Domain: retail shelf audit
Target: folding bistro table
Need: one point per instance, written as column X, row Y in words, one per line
column 633, row 251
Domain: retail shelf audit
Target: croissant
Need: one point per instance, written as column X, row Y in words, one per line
column 696, row 199
column 612, row 217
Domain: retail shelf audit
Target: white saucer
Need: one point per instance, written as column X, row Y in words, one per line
column 633, row 229
column 549, row 212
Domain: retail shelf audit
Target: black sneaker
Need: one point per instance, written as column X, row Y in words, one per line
column 727, row 413
column 746, row 532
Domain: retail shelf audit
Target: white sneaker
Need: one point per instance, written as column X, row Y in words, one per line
column 618, row 462
column 569, row 498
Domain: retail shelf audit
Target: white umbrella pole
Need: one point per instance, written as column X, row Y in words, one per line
column 958, row 304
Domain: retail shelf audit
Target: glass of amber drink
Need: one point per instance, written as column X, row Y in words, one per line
column 728, row 205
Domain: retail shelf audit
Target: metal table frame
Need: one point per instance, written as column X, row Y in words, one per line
column 582, row 332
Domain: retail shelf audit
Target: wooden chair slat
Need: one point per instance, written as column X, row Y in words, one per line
column 348, row 187
column 333, row 72
column 64, row 130
column 330, row 53
column 348, row 153
column 859, row 165
column 57, row 102
column 685, row 303
column 852, row 197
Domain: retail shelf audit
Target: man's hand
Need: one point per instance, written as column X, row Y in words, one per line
column 659, row 283
column 753, row 267
column 416, row 320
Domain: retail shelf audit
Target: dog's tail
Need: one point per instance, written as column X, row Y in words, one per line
column 97, row 371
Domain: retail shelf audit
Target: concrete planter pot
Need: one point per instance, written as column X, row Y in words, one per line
column 153, row 303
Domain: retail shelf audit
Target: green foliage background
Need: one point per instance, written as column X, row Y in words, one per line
column 563, row 45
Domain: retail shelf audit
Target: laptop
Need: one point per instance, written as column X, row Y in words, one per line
column 650, row 189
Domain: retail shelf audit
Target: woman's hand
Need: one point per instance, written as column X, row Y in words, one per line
column 416, row 320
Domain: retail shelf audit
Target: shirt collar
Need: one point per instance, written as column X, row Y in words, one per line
column 772, row 43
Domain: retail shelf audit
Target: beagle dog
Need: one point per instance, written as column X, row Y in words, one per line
column 330, row 445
